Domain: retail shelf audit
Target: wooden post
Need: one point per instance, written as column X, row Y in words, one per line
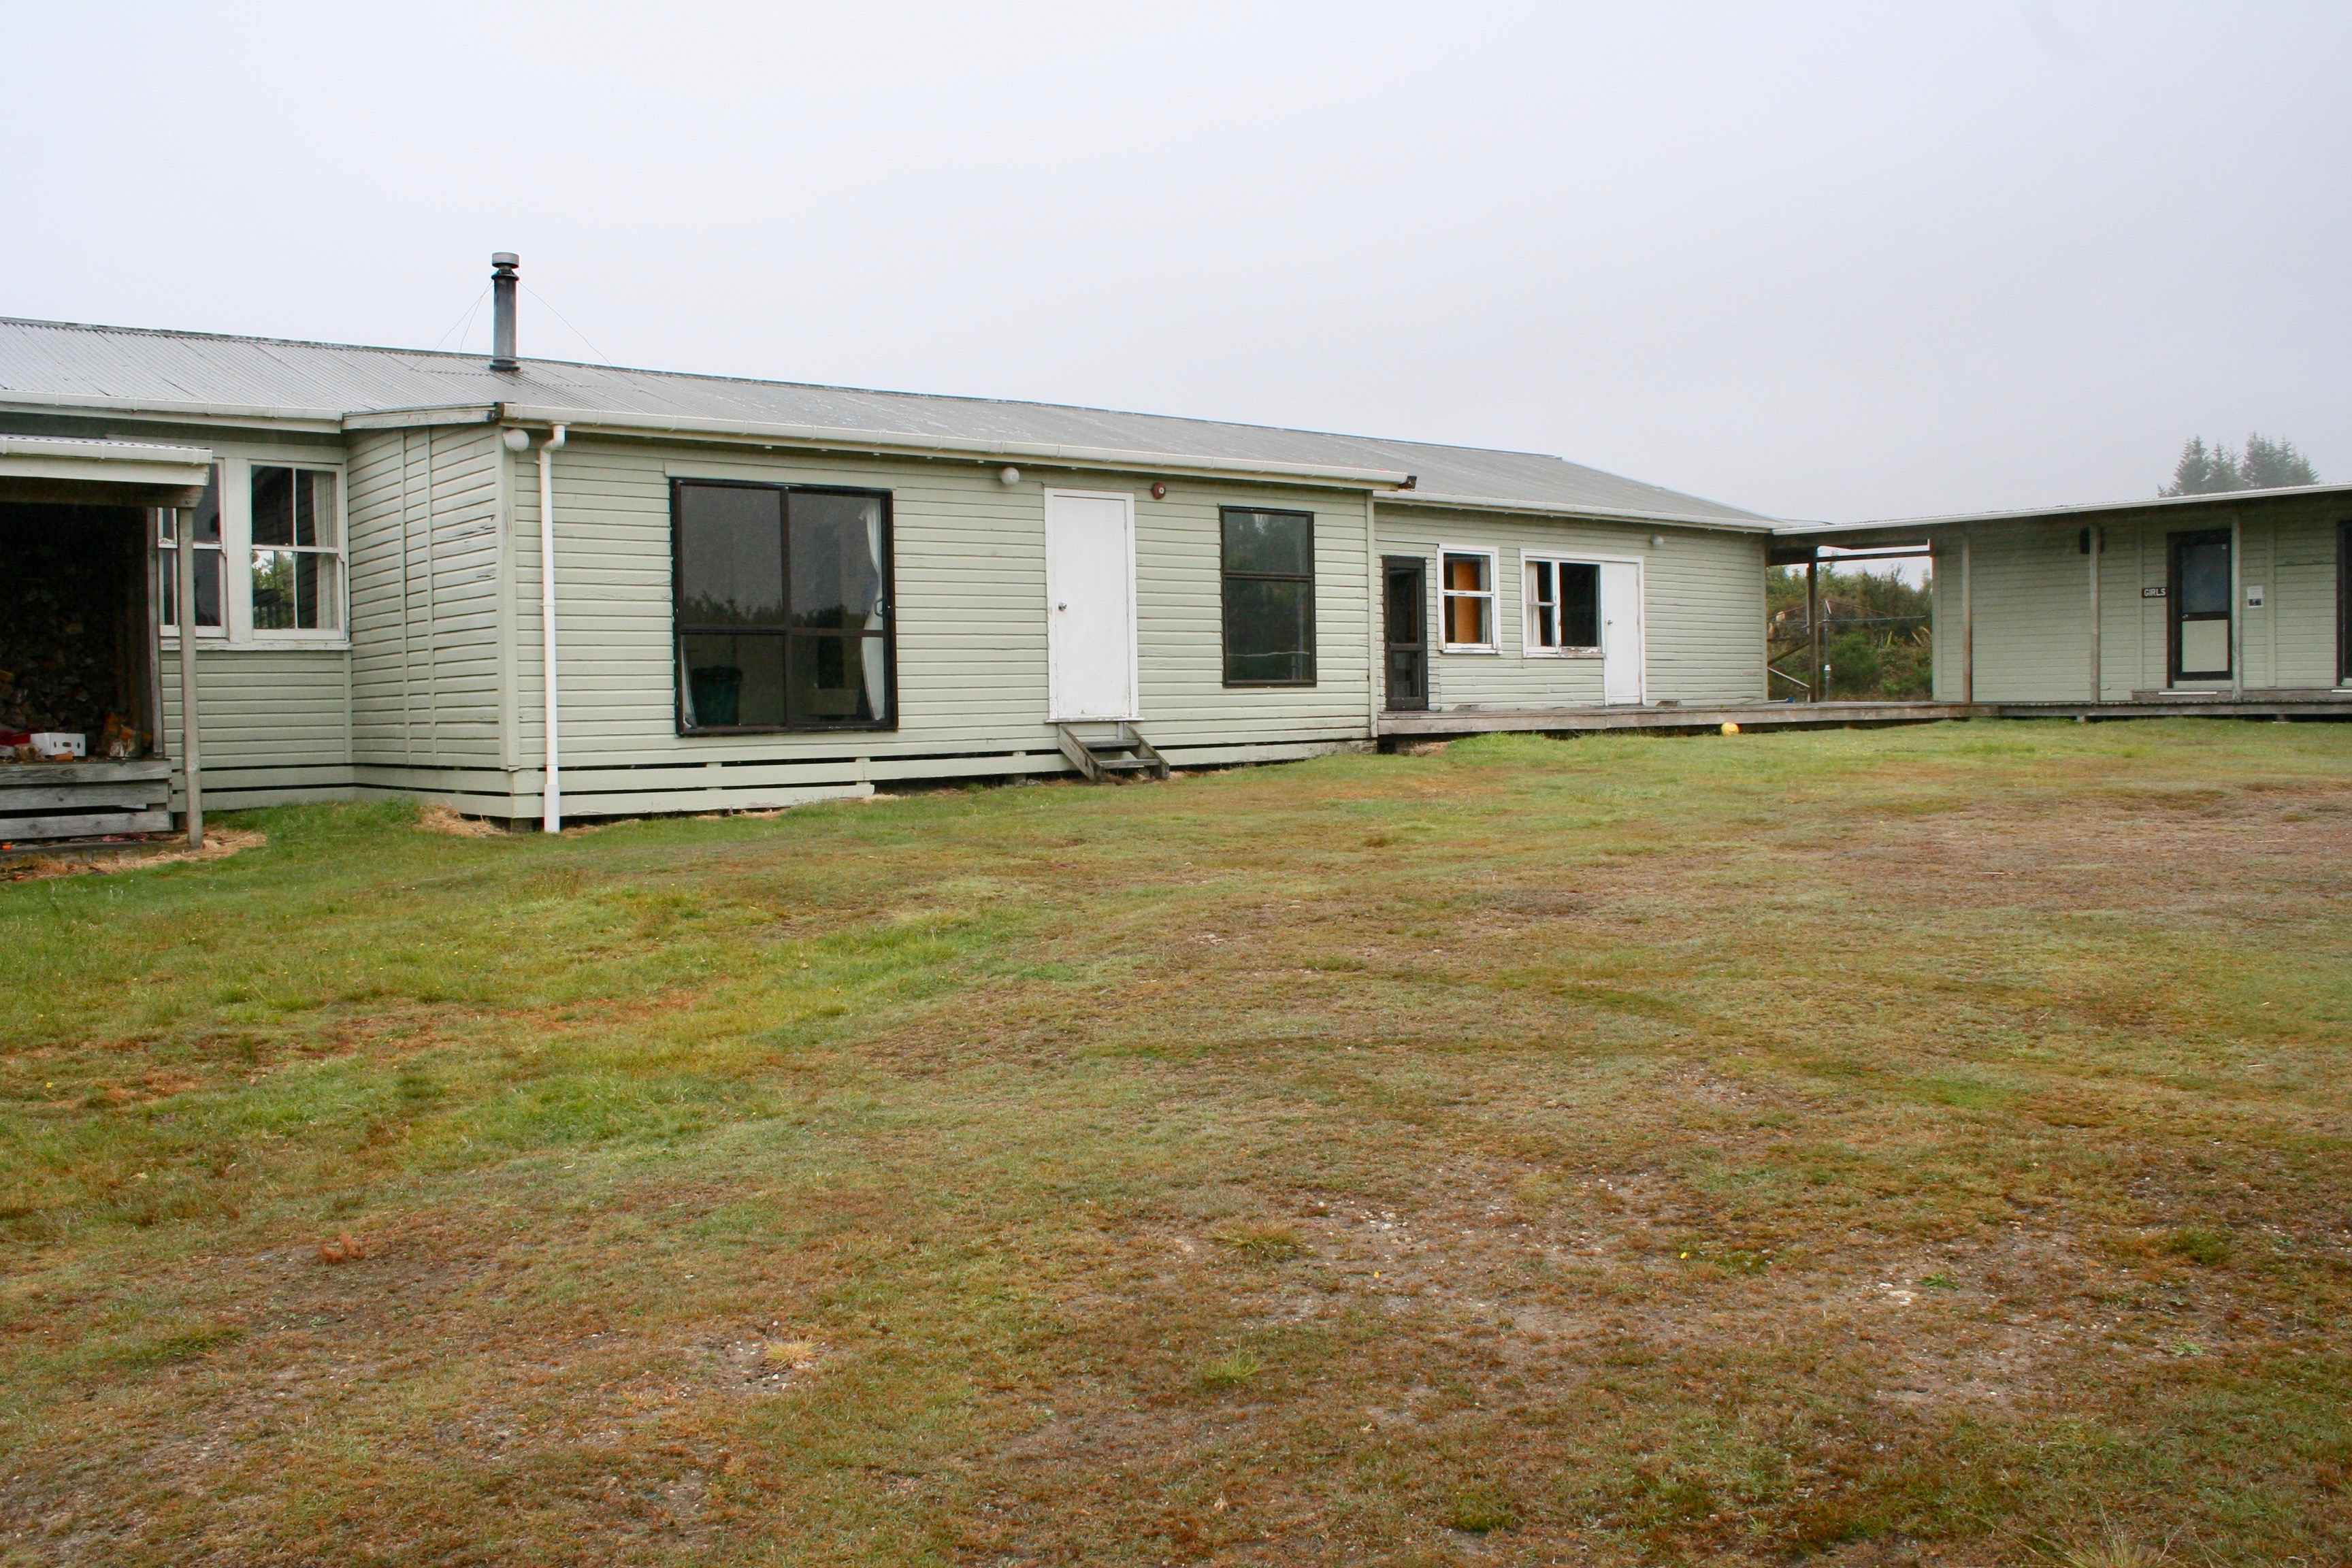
column 1968, row 621
column 183, row 532
column 1813, row 692
column 151, row 605
column 2095, row 546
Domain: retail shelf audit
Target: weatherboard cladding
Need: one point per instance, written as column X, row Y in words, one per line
column 129, row 368
column 1701, row 591
column 439, row 691
column 277, row 723
column 969, row 562
column 2031, row 603
column 426, row 598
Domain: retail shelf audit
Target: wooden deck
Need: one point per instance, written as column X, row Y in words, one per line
column 83, row 800
column 2283, row 706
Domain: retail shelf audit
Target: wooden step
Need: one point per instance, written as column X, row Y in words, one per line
column 1097, row 756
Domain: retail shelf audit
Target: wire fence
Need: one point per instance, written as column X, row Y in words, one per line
column 1834, row 621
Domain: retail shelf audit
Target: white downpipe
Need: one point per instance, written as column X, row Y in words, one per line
column 551, row 818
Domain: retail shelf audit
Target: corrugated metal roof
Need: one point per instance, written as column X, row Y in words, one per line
column 125, row 369
column 2223, row 501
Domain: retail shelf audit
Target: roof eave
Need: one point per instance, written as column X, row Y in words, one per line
column 328, row 420
column 1557, row 509
column 123, row 473
column 896, row 443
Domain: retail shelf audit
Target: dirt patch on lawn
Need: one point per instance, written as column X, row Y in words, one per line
column 220, row 842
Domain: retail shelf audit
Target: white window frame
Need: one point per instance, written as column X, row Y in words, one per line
column 334, row 636
column 167, row 601
column 1528, row 646
column 1492, row 593
column 235, row 472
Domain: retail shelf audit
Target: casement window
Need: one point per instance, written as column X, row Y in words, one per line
column 297, row 547
column 1269, row 598
column 1467, row 590
column 269, row 555
column 205, row 522
column 783, row 607
column 1563, row 607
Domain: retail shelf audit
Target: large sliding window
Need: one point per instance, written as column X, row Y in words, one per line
column 783, row 611
column 1269, row 572
column 2344, row 604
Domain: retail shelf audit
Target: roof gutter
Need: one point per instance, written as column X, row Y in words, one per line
column 886, row 443
column 1550, row 508
column 126, row 462
column 326, row 419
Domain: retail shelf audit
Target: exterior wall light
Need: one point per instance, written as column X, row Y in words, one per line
column 1009, row 474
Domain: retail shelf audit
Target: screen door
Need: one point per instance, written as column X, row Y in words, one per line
column 2200, row 605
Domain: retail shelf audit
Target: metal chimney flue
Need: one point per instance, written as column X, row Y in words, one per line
column 502, row 310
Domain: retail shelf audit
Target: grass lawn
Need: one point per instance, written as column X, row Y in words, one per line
column 1921, row 1145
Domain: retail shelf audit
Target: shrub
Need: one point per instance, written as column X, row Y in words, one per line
column 1231, row 1371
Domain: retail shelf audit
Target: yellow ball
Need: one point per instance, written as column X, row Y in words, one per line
column 1731, row 728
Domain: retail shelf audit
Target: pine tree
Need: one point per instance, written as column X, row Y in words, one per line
column 2268, row 464
column 2204, row 471
column 2209, row 470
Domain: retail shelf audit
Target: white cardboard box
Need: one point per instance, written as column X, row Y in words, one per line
column 58, row 745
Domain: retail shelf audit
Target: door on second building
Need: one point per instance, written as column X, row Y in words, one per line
column 1405, row 637
column 1621, row 652
column 1090, row 605
column 2200, row 605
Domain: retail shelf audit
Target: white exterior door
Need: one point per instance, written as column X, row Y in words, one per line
column 1621, row 632
column 1090, row 605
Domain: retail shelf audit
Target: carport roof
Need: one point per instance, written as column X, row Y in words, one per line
column 59, row 366
column 1915, row 530
column 100, row 473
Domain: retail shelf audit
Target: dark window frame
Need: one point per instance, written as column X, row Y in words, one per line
column 2174, row 614
column 2344, row 603
column 1227, row 576
column 679, row 630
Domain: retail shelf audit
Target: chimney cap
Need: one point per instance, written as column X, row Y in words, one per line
column 505, row 258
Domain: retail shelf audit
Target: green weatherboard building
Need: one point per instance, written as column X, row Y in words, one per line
column 534, row 590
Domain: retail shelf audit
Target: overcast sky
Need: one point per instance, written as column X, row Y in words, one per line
column 1825, row 261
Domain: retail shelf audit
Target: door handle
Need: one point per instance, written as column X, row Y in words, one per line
column 1061, row 606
